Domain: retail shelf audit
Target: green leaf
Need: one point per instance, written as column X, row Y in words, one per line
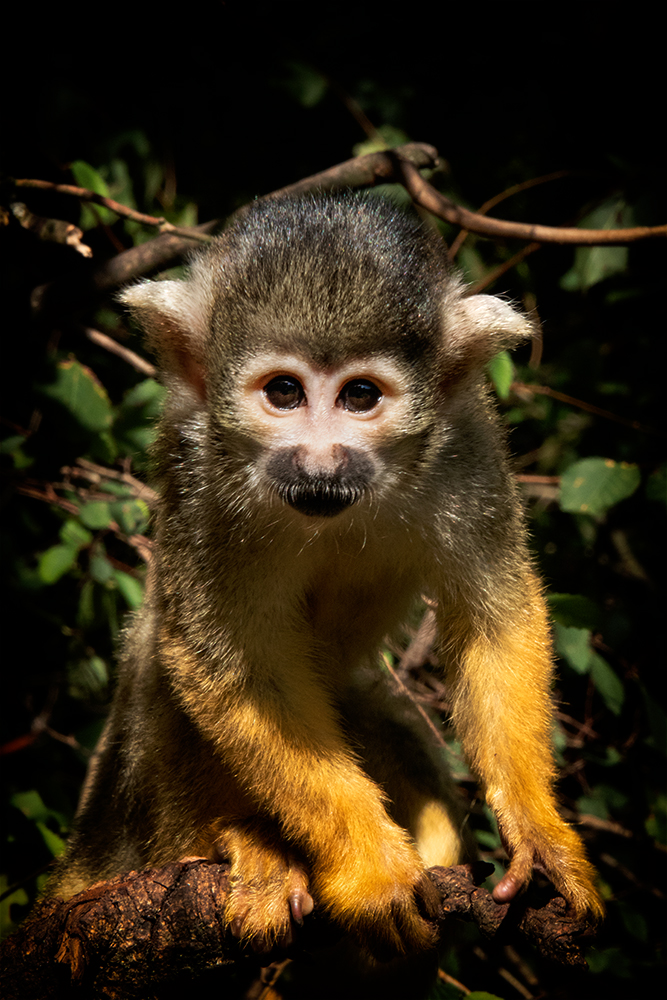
column 594, row 264
column 56, row 561
column 488, row 840
column 123, row 490
column 17, row 898
column 593, row 485
column 32, row 806
column 657, row 721
column 85, row 613
column 501, row 372
column 634, row 922
column 574, row 646
column 613, row 961
column 10, row 444
column 73, row 533
column 607, row 684
column 385, row 137
column 135, row 425
column 13, row 446
column 305, row 83
column 656, row 485
column 656, row 823
column 92, row 214
column 76, row 388
column 30, row 803
column 54, row 843
column 603, row 800
column 574, row 610
column 87, row 177
column 148, row 395
column 130, row 588
column 88, row 678
column 131, row 515
column 101, row 569
column 103, row 448
column 96, row 514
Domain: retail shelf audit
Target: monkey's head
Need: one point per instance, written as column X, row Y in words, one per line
column 319, row 348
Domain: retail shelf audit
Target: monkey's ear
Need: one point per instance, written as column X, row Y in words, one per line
column 174, row 316
column 476, row 328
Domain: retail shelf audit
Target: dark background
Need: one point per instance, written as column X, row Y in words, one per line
column 213, row 104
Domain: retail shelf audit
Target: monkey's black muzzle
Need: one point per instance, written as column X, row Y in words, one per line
column 320, row 493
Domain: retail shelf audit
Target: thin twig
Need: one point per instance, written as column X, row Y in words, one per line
column 522, row 388
column 502, row 196
column 426, row 196
column 84, row 194
column 111, row 345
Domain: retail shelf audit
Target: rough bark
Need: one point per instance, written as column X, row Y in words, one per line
column 146, row 933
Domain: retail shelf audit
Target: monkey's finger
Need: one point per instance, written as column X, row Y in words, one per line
column 301, row 905
column 428, row 898
column 517, row 877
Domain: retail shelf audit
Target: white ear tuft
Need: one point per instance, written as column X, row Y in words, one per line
column 477, row 327
column 176, row 321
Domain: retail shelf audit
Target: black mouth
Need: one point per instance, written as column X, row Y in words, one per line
column 320, row 498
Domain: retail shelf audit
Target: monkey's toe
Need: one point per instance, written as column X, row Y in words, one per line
column 269, row 895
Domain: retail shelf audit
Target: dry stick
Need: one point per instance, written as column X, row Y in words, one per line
column 168, row 249
column 134, row 935
column 400, row 165
column 359, row 172
column 111, row 345
column 507, row 193
column 430, row 199
column 501, row 269
column 544, row 390
column 85, row 194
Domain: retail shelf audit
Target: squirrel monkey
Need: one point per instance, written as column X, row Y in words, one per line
column 327, row 454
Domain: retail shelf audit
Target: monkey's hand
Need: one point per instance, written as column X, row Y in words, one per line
column 269, row 887
column 377, row 890
column 557, row 851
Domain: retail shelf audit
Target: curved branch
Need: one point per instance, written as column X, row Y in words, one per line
column 138, row 933
column 427, row 197
column 169, row 248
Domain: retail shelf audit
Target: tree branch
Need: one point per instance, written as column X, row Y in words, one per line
column 427, row 197
column 133, row 936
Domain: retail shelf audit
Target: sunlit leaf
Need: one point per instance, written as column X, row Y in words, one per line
column 72, row 532
column 56, row 561
column 607, row 683
column 501, row 372
column 79, row 391
column 574, row 610
column 130, row 588
column 593, row 485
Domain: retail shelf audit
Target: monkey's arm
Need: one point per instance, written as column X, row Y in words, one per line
column 502, row 711
column 277, row 732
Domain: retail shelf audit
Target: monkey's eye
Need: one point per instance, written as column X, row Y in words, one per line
column 359, row 396
column 284, row 393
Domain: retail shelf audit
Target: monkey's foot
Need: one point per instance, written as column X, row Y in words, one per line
column 562, row 860
column 389, row 909
column 269, row 889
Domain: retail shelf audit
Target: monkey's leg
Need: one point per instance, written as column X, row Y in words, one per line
column 502, row 711
column 402, row 753
column 282, row 739
column 269, row 884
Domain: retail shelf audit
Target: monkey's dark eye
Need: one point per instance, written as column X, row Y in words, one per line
column 359, row 396
column 284, row 393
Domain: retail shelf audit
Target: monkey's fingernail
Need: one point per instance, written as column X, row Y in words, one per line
column 301, row 904
column 504, row 892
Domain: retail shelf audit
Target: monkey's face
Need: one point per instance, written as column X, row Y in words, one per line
column 322, row 431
